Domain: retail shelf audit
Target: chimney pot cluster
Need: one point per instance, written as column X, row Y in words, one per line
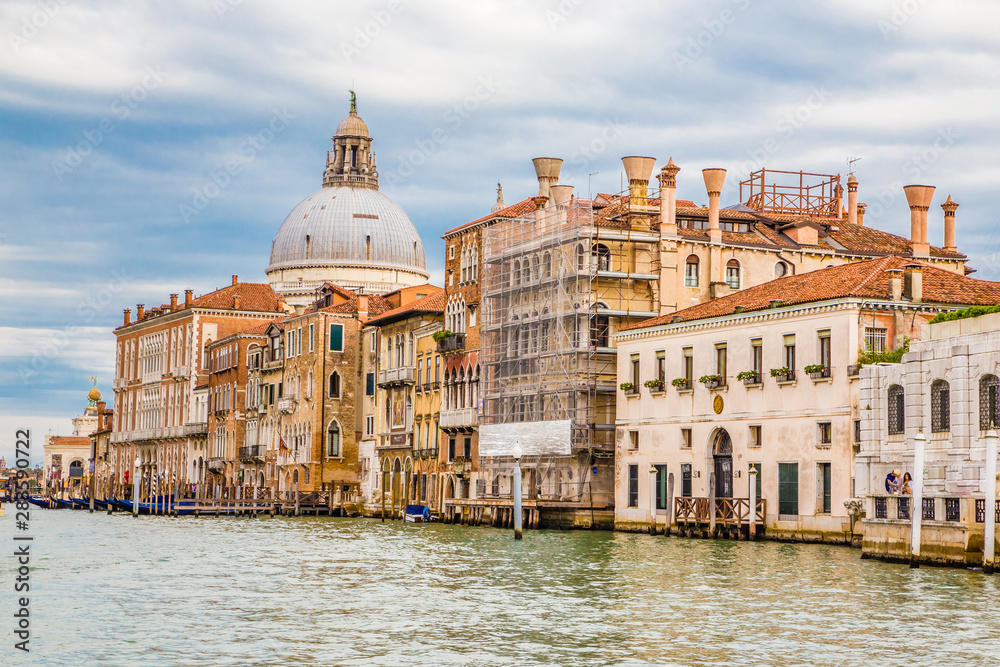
column 638, row 171
column 140, row 312
column 547, row 170
column 919, row 199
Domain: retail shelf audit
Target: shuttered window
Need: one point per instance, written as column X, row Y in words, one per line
column 336, row 337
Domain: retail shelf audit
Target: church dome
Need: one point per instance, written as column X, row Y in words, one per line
column 353, row 126
column 347, row 226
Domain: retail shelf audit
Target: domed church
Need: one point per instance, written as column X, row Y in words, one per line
column 348, row 232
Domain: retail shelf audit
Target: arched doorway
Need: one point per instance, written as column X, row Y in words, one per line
column 722, row 451
column 397, row 473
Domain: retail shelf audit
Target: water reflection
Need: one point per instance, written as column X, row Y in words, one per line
column 318, row 591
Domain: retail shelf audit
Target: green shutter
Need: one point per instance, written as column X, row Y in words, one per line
column 788, row 488
column 336, row 337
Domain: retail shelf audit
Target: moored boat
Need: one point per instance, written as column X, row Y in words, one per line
column 417, row 514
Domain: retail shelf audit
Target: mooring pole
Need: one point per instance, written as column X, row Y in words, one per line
column 753, row 501
column 516, row 491
column 135, row 489
column 652, row 499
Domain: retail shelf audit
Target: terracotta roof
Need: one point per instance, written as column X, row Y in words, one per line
column 337, row 289
column 512, row 211
column 259, row 329
column 376, row 306
column 868, row 279
column 253, row 296
column 432, row 303
column 69, row 440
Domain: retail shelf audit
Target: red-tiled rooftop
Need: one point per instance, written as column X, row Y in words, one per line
column 431, row 304
column 868, row 279
column 513, row 211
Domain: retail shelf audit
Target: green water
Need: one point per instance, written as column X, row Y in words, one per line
column 117, row 590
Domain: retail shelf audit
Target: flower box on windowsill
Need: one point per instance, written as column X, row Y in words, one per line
column 785, row 378
column 750, row 383
column 821, row 377
column 681, row 385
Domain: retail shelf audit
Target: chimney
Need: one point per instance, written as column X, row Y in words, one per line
column 188, row 297
column 914, row 282
column 949, row 225
column 363, row 307
column 839, row 192
column 539, row 202
column 127, row 320
column 919, row 199
column 861, row 214
column 668, row 198
column 714, row 178
column 236, row 279
column 173, row 302
column 547, row 170
column 637, row 171
column 101, row 418
column 140, row 312
column 895, row 284
column 236, row 302
column 852, row 200
column 561, row 193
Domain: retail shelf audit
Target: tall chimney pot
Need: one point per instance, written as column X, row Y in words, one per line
column 173, row 302
column 852, row 200
column 127, row 320
column 547, row 170
column 949, row 225
column 561, row 193
column 919, row 199
column 714, row 178
column 637, row 171
column 140, row 312
column 236, row 279
column 188, row 297
column 668, row 198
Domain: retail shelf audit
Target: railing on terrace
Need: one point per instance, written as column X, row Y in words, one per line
column 949, row 509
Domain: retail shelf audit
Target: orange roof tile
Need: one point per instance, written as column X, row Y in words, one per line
column 253, row 296
column 868, row 279
column 432, row 303
column 513, row 211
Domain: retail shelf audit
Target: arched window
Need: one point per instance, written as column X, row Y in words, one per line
column 602, row 256
column 733, row 274
column 534, row 268
column 335, row 385
column 579, row 258
column 691, row 271
column 780, row 269
column 897, row 421
column 547, row 264
column 940, row 407
column 989, row 406
column 333, row 439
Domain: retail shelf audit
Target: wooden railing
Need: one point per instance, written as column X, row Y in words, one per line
column 728, row 511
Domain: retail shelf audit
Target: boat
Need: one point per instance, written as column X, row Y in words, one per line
column 44, row 503
column 61, row 503
column 417, row 514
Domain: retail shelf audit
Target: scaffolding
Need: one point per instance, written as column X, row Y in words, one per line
column 556, row 283
column 772, row 191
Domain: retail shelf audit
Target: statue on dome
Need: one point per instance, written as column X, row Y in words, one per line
column 354, row 102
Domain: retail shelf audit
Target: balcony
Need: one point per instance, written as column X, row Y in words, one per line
column 252, row 453
column 426, row 453
column 197, row 428
column 396, row 377
column 460, row 418
column 217, row 464
column 286, row 406
column 453, row 343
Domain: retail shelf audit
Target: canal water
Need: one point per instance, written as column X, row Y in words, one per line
column 115, row 590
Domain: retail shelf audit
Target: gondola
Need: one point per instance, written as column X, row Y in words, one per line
column 44, row 503
column 64, row 504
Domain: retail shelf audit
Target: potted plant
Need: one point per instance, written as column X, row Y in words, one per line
column 816, row 371
column 441, row 335
column 711, row 381
column 680, row 384
column 626, row 387
column 782, row 374
column 654, row 385
column 748, row 377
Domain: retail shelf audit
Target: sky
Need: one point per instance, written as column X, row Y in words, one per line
column 148, row 148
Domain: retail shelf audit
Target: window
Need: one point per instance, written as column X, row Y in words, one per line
column 312, row 337
column 691, row 271
column 875, row 339
column 333, row 440
column 467, row 449
column 336, row 337
column 601, row 256
column 661, row 367
column 940, row 407
column 685, row 480
column 633, row 485
column 633, row 440
column 989, row 407
column 733, row 274
column 824, row 484
column 720, row 363
column 437, row 369
column 896, row 414
column 451, row 252
column 789, row 360
column 824, row 352
column 688, row 361
column 685, row 438
column 780, row 269
column 757, row 357
column 370, row 384
column 370, row 425
column 451, row 449
column 788, row 489
column 661, row 487
column 857, row 430
column 335, row 385
column 825, row 430
column 755, row 432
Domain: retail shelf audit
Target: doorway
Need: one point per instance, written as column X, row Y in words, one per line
column 722, row 450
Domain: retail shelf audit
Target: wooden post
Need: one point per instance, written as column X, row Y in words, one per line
column 753, row 502
column 670, row 504
column 652, row 500
column 711, row 503
column 916, row 504
column 296, row 494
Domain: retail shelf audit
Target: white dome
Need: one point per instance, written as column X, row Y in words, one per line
column 347, row 227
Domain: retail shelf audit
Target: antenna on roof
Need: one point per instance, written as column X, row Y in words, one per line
column 850, row 164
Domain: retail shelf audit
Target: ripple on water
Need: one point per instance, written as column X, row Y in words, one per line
column 316, row 591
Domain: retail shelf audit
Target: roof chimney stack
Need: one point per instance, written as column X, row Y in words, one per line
column 188, row 297
column 128, row 317
column 140, row 312
column 363, row 307
column 236, row 302
column 561, row 193
column 919, row 199
column 714, row 178
column 852, row 200
column 861, row 214
column 668, row 198
column 914, row 285
column 949, row 225
column 637, row 171
column 236, row 279
column 173, row 302
column 547, row 170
